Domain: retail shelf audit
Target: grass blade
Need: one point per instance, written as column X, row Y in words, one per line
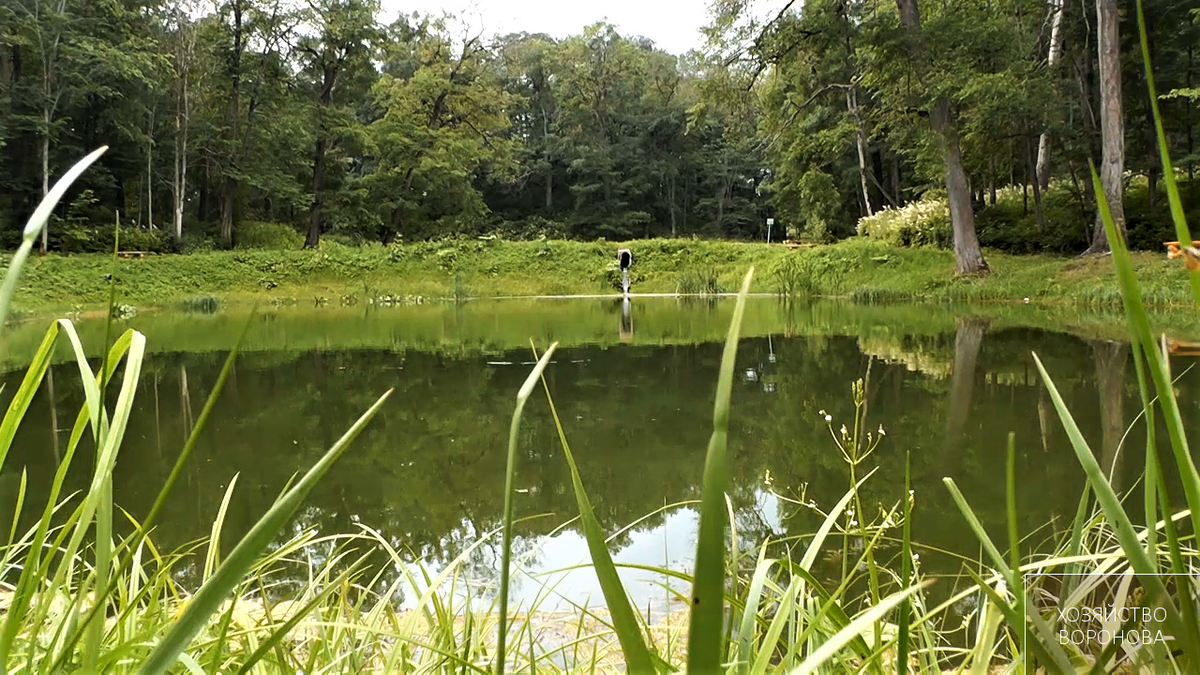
column 745, row 638
column 708, row 589
column 855, row 629
column 1164, row 153
column 980, row 533
column 135, row 540
column 279, row 633
column 229, row 574
column 905, row 567
column 34, row 226
column 1113, row 511
column 509, row 490
column 625, row 623
column 1139, row 323
column 24, row 394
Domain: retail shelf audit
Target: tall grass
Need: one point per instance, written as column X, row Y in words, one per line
column 70, row 571
column 86, row 600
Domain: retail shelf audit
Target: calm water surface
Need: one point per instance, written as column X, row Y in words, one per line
column 635, row 393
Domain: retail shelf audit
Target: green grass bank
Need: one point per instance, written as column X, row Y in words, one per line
column 859, row 269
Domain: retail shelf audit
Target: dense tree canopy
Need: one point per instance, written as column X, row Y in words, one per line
column 322, row 116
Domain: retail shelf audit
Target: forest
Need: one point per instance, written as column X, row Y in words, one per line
column 241, row 120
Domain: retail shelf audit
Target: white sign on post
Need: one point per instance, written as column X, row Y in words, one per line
column 770, row 222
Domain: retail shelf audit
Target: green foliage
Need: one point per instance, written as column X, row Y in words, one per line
column 1011, row 224
column 320, row 117
column 269, row 236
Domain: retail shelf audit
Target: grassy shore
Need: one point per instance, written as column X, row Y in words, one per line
column 859, row 269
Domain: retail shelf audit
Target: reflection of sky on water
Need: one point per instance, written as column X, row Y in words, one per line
column 555, row 573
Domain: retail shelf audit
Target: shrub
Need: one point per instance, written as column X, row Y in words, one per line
column 1007, row 226
column 101, row 240
column 528, row 229
column 1011, row 223
column 270, row 236
column 920, row 223
column 193, row 242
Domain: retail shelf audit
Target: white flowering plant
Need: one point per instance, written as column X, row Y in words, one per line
column 925, row 222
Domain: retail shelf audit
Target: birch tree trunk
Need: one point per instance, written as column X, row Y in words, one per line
column 1112, row 125
column 1056, row 49
column 861, row 138
column 180, row 183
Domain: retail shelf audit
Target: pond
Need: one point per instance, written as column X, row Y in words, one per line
column 634, row 387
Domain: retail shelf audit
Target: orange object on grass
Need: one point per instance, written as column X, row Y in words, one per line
column 1191, row 254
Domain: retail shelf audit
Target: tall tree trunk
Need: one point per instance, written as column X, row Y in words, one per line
column 233, row 117
column 1056, row 47
column 325, row 100
column 150, row 171
column 968, row 338
column 967, row 255
column 1037, row 186
column 1112, row 125
column 176, row 180
column 228, row 194
column 549, row 164
column 180, row 184
column 45, row 175
column 314, row 212
column 878, row 169
column 860, row 134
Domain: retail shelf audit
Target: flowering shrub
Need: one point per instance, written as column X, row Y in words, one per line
column 921, row 223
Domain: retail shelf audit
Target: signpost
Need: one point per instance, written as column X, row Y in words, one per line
column 770, row 222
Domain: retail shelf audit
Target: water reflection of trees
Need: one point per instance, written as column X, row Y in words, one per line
column 429, row 471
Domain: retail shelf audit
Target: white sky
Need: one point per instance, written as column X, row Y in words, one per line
column 673, row 25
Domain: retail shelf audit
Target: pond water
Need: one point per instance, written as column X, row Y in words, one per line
column 634, row 387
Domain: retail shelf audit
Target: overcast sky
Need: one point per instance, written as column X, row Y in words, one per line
column 673, row 25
